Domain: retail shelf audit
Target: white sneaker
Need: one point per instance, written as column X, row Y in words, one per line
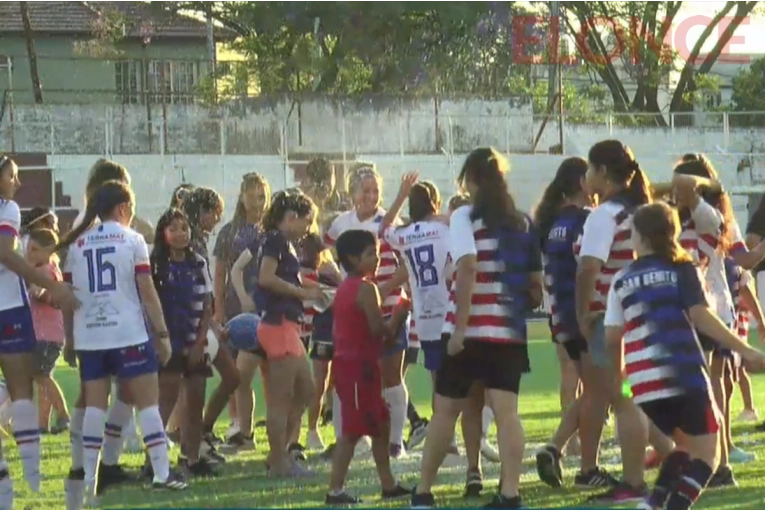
column 748, row 415
column 313, row 441
column 488, row 451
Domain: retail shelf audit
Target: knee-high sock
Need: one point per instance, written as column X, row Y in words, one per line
column 92, row 439
column 26, row 432
column 396, row 399
column 156, row 443
column 77, row 417
column 118, row 416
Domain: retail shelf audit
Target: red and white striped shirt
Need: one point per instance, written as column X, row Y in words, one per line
column 388, row 261
column 607, row 236
column 488, row 319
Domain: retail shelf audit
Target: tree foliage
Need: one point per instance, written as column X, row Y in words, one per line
column 747, row 96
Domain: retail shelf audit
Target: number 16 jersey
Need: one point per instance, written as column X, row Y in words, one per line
column 424, row 247
column 102, row 265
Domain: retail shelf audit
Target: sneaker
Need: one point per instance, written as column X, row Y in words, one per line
column 341, row 499
column 417, row 434
column 549, row 467
column 748, row 415
column 326, row 455
column 723, row 477
column 500, row 501
column 653, row 460
column 738, row 456
column 396, row 492
column 313, row 440
column 620, row 493
column 425, row 500
column 174, row 482
column 297, row 452
column 201, row 469
column 397, row 451
column 208, row 452
column 237, row 443
column 111, row 475
column 488, row 452
column 473, row 484
column 211, row 438
column 595, row 479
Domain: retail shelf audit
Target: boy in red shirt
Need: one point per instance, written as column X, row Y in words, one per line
column 360, row 334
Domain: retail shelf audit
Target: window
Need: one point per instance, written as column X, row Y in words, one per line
column 712, row 100
column 166, row 81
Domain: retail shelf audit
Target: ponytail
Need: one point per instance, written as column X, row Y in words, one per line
column 671, row 251
column 639, row 188
column 548, row 208
column 87, row 222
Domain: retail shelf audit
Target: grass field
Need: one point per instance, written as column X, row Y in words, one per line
column 243, row 482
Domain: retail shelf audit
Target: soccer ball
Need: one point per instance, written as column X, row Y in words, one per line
column 243, row 331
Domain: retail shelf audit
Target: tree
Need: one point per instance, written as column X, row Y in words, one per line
column 31, row 53
column 638, row 32
column 747, row 96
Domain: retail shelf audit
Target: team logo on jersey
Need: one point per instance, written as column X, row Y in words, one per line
column 80, row 242
column 134, row 353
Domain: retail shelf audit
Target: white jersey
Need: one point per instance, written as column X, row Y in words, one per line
column 102, row 265
column 424, row 247
column 13, row 290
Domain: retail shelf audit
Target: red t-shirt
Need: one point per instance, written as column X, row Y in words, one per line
column 353, row 339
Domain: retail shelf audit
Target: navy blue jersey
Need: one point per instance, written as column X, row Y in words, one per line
column 560, row 250
column 650, row 299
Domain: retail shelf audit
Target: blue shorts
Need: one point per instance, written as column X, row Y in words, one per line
column 433, row 351
column 122, row 363
column 402, row 341
column 17, row 331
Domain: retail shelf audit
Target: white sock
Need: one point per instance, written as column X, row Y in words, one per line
column 76, row 418
column 6, row 487
column 396, row 398
column 154, row 439
column 92, row 439
column 26, row 432
column 118, row 417
column 337, row 419
column 487, row 419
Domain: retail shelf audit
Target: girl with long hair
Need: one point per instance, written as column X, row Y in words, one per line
column 484, row 334
column 203, row 208
column 234, row 237
column 290, row 381
column 37, row 218
column 655, row 305
column 17, row 336
column 606, row 247
column 365, row 187
column 183, row 284
column 108, row 265
column 560, row 218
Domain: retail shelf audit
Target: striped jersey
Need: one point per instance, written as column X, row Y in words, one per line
column 182, row 292
column 500, row 299
column 607, row 236
column 388, row 260
column 13, row 290
column 560, row 255
column 650, row 299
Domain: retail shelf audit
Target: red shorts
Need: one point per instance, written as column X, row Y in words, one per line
column 358, row 384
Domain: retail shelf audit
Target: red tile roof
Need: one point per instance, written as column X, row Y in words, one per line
column 78, row 18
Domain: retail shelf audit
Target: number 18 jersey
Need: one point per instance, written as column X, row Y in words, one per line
column 102, row 265
column 424, row 247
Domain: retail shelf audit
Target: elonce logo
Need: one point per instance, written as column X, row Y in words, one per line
column 528, row 44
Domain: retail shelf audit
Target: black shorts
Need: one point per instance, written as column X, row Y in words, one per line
column 695, row 414
column 322, row 351
column 410, row 356
column 575, row 347
column 497, row 366
column 179, row 364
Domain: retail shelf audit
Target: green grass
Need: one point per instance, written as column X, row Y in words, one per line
column 243, row 482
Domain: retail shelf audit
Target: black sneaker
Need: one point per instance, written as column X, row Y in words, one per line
column 595, row 479
column 109, row 476
column 396, row 492
column 174, row 482
column 723, row 477
column 201, row 469
column 342, row 499
column 326, row 455
column 549, row 468
column 500, row 501
column 211, row 438
column 297, row 452
column 473, row 483
column 425, row 500
column 417, row 434
column 210, row 452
